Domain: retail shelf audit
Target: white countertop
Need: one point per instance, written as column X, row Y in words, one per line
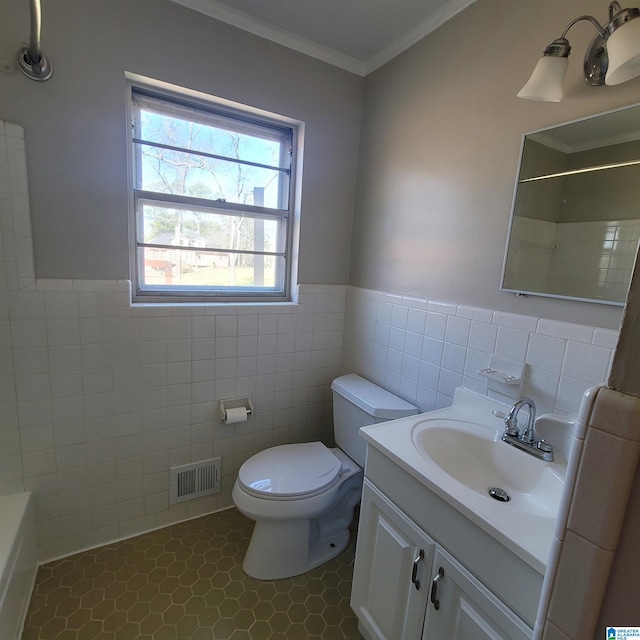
column 526, row 532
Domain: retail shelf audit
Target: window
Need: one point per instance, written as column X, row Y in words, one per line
column 213, row 193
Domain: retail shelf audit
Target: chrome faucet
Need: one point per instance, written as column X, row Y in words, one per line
column 526, row 440
column 511, row 421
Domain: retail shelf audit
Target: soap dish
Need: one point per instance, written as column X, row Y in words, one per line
column 498, row 376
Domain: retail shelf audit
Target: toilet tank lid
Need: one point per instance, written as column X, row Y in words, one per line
column 369, row 397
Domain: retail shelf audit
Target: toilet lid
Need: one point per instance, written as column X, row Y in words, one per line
column 290, row 470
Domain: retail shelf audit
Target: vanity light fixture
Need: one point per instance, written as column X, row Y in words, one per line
column 613, row 56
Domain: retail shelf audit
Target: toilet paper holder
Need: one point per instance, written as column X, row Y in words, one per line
column 235, row 403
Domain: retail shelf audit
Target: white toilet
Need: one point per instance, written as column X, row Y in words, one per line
column 302, row 496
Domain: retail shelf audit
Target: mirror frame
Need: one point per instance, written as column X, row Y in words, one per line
column 524, row 292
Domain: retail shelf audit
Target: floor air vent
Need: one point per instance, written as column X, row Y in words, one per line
column 194, row 480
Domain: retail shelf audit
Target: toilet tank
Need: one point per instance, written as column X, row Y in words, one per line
column 358, row 403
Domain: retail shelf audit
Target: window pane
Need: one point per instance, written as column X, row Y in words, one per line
column 181, row 173
column 212, row 186
column 213, row 230
column 182, row 269
column 180, row 126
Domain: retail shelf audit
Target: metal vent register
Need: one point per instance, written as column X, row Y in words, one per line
column 194, row 480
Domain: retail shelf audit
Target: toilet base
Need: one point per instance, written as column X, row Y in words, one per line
column 283, row 549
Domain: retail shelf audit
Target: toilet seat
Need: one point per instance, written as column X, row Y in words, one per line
column 290, row 472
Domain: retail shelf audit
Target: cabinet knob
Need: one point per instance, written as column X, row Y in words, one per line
column 414, row 571
column 434, row 588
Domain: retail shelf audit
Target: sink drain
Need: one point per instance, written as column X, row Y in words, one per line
column 499, row 494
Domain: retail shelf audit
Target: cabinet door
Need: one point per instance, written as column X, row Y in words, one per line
column 392, row 569
column 462, row 608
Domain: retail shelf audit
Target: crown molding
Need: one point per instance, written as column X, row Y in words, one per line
column 422, row 29
column 242, row 20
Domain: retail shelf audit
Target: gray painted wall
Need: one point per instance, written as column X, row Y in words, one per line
column 440, row 141
column 541, row 199
column 75, row 123
column 603, row 195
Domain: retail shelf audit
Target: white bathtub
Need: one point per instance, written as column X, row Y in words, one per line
column 18, row 562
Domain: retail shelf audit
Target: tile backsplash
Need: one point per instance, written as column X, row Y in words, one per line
column 99, row 397
column 423, row 349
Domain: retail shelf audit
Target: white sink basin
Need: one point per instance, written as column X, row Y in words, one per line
column 457, row 453
column 475, row 456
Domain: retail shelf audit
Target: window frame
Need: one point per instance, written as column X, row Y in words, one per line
column 287, row 215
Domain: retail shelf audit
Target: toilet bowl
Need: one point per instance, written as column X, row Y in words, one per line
column 302, row 496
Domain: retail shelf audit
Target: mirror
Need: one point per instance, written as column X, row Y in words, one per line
column 575, row 223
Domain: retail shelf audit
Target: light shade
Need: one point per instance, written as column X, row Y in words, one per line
column 546, row 80
column 623, row 47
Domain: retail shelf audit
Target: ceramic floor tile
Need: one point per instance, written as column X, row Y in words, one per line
column 186, row 582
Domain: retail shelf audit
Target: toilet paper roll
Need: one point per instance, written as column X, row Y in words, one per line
column 236, row 414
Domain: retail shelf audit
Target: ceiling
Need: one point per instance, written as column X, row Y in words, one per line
column 356, row 35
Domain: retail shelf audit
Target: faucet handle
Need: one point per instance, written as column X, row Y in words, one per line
column 511, row 427
column 546, row 450
column 543, row 446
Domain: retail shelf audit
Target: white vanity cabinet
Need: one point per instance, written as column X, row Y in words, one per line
column 485, row 592
column 466, row 609
column 392, row 570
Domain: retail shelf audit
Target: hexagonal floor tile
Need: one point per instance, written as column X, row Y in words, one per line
column 186, row 581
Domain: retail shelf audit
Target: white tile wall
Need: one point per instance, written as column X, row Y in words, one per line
column 604, row 272
column 550, row 256
column 530, row 250
column 563, row 359
column 108, row 396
